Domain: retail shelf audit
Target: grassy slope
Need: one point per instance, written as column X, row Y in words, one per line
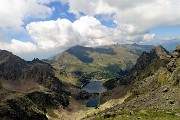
column 104, row 66
column 155, row 95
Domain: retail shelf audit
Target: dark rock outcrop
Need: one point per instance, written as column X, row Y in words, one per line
column 143, row 61
column 33, row 104
column 160, row 52
column 11, row 66
column 21, row 109
column 48, row 100
column 15, row 68
column 83, row 95
column 176, row 53
column 154, row 83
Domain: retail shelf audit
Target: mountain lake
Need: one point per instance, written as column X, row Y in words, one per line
column 94, row 87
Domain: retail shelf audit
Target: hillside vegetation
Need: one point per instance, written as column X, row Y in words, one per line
column 103, row 63
column 154, row 84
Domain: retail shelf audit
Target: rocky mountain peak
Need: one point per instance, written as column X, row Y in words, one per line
column 10, row 65
column 160, row 52
column 4, row 55
column 33, row 88
column 176, row 52
column 178, row 48
column 145, row 59
column 4, row 52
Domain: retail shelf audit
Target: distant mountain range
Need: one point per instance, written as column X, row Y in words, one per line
column 143, row 82
column 170, row 45
column 104, row 62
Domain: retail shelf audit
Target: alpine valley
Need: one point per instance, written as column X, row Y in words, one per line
column 139, row 82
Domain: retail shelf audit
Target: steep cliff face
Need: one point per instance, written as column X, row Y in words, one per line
column 157, row 54
column 154, row 83
column 11, row 66
column 43, row 73
column 28, row 88
column 158, row 83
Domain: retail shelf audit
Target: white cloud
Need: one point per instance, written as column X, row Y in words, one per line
column 90, row 7
column 88, row 31
column 53, row 34
column 13, row 13
column 18, row 47
column 26, row 50
column 62, row 33
column 134, row 19
column 141, row 14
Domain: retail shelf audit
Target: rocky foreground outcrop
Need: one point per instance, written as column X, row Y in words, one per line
column 28, row 88
column 145, row 59
column 154, row 83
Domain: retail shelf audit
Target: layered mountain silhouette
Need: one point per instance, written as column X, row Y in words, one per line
column 146, row 84
column 103, row 62
column 28, row 88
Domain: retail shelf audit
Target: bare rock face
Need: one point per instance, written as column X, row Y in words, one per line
column 11, row 66
column 160, row 52
column 48, row 100
column 154, row 83
column 32, row 106
column 21, row 109
column 176, row 53
column 171, row 65
column 25, row 105
column 143, row 61
column 178, row 48
column 43, row 74
column 152, row 74
column 14, row 68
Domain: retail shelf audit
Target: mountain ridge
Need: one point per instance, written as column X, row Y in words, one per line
column 154, row 88
column 102, row 62
column 32, row 89
column 28, row 88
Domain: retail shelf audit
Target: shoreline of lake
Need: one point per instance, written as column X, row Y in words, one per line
column 94, row 87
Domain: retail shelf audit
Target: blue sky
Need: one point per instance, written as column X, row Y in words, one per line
column 166, row 31
column 47, row 27
column 61, row 11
